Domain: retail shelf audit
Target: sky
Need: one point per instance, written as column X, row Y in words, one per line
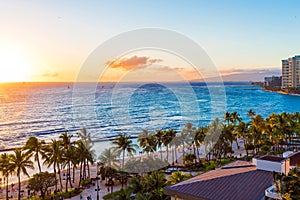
column 51, row 40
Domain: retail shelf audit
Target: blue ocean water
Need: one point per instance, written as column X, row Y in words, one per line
column 46, row 109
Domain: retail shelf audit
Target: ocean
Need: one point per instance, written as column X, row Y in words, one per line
column 45, row 110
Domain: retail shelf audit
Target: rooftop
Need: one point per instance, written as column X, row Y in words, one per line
column 237, row 180
column 272, row 158
column 293, row 154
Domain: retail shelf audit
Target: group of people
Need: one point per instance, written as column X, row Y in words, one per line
column 88, row 197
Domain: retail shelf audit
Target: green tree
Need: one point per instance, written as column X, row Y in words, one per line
column 68, row 152
column 34, row 147
column 177, row 177
column 199, row 139
column 159, row 138
column 53, row 157
column 147, row 141
column 5, row 169
column 124, row 144
column 109, row 158
column 19, row 162
column 40, row 182
column 189, row 158
column 155, row 182
column 167, row 138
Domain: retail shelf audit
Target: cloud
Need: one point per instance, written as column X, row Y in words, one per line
column 240, row 74
column 134, row 62
column 50, row 74
column 232, row 71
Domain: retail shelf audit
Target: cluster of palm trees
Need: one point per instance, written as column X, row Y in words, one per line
column 148, row 187
column 259, row 135
column 63, row 153
column 288, row 185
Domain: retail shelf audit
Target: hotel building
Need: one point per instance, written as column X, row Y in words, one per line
column 291, row 72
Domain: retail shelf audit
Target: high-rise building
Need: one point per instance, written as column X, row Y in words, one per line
column 274, row 81
column 291, row 72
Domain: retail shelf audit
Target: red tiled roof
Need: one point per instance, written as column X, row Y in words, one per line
column 237, row 182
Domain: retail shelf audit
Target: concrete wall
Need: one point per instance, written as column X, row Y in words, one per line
column 281, row 167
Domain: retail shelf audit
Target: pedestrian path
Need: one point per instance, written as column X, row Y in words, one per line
column 93, row 193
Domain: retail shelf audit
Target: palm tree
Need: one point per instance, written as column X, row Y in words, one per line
column 177, row 177
column 123, row 143
column 257, row 124
column 34, row 147
column 243, row 131
column 147, row 141
column 67, row 155
column 199, row 139
column 175, row 143
column 19, row 162
column 190, row 132
column 227, row 117
column 212, row 136
column 108, row 157
column 137, row 185
column 53, row 156
column 5, row 169
column 159, row 139
column 167, row 138
column 84, row 135
column 154, row 182
column 87, row 141
column 251, row 113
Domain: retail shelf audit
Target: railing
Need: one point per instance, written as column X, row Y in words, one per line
column 269, row 192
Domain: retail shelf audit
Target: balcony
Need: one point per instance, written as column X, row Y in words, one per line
column 270, row 193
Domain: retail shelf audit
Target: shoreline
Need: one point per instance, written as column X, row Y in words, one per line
column 281, row 92
column 106, row 139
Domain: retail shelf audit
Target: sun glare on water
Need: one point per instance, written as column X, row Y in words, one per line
column 13, row 66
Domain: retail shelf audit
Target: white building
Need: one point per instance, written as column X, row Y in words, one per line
column 272, row 163
column 291, row 72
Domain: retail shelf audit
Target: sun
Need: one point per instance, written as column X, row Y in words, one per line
column 14, row 67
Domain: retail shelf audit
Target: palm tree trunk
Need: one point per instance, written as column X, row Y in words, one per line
column 61, row 185
column 39, row 164
column 54, row 169
column 172, row 155
column 80, row 174
column 160, row 152
column 123, row 168
column 73, row 173
column 167, row 153
column 88, row 166
column 183, row 152
column 69, row 175
column 67, row 180
column 84, row 172
column 194, row 148
column 199, row 160
column 19, row 191
column 176, row 153
column 7, row 187
column 123, row 159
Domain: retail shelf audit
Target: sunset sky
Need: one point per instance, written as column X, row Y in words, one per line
column 50, row 40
